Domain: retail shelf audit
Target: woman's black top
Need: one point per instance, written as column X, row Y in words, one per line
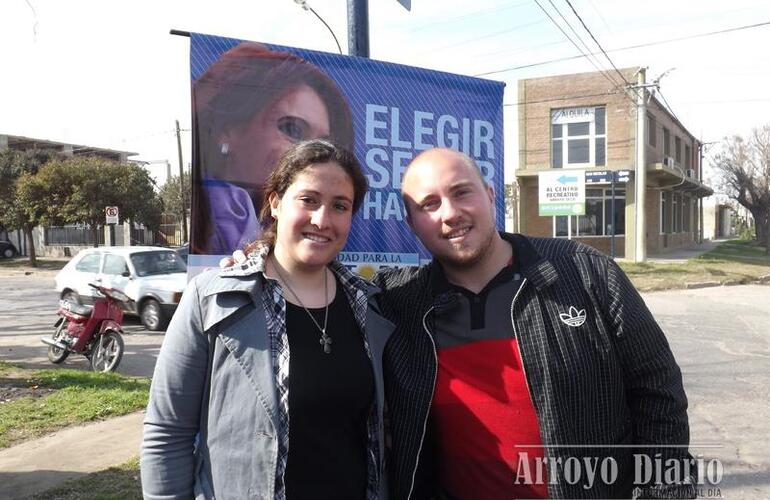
column 330, row 397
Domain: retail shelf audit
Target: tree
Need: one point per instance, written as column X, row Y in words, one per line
column 171, row 194
column 744, row 168
column 14, row 214
column 77, row 190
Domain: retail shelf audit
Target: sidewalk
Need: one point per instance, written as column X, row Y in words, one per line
column 681, row 254
column 41, row 464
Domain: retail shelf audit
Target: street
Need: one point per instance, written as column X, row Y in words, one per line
column 720, row 338
column 28, row 307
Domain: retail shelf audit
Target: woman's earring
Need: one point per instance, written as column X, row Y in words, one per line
column 224, row 148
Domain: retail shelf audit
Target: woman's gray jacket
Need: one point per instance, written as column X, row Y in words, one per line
column 214, row 384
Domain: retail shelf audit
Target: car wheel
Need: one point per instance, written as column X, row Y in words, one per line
column 8, row 252
column 71, row 296
column 152, row 315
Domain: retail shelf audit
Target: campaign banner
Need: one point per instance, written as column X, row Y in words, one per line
column 252, row 101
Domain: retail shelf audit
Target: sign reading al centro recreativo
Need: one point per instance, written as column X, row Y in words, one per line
column 561, row 193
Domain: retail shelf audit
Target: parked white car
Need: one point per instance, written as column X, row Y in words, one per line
column 152, row 277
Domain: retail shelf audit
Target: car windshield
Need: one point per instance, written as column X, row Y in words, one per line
column 160, row 262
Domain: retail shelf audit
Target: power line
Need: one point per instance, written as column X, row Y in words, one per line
column 474, row 13
column 574, row 32
column 629, row 47
column 670, row 109
column 603, row 73
column 597, row 42
column 563, row 98
column 488, row 35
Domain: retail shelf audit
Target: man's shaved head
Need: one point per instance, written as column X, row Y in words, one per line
column 441, row 155
column 438, row 156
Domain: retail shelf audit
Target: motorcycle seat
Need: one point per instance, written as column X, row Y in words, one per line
column 79, row 310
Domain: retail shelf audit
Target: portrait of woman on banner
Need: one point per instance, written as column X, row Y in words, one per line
column 249, row 107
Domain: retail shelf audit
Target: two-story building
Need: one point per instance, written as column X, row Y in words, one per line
column 587, row 122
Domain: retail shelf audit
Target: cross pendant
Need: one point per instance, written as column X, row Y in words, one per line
column 326, row 342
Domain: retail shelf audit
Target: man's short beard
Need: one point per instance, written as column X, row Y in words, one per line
column 453, row 261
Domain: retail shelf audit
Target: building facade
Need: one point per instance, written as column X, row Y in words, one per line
column 585, row 122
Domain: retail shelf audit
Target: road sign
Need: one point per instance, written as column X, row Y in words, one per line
column 598, row 176
column 622, row 175
column 112, row 215
column 561, row 192
column 605, row 176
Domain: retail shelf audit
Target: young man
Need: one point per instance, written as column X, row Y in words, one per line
column 521, row 367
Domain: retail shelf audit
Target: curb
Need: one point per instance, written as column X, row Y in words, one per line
column 702, row 284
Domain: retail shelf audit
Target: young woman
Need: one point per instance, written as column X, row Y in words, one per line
column 269, row 382
column 250, row 106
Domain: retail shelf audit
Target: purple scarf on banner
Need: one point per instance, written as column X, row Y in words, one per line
column 233, row 219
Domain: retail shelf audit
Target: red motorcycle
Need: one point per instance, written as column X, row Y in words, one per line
column 94, row 332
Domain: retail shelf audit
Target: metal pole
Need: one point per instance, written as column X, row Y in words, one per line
column 640, row 253
column 358, row 28
column 185, row 239
column 612, row 215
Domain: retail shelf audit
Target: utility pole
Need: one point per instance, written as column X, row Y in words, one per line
column 358, row 28
column 640, row 181
column 181, row 184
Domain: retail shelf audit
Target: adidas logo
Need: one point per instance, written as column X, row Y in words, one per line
column 573, row 317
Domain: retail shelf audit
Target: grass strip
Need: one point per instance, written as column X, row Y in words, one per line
column 43, row 264
column 116, row 483
column 79, row 397
column 732, row 262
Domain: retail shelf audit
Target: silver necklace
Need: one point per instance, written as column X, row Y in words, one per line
column 325, row 340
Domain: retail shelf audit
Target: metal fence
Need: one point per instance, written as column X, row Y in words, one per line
column 169, row 235
column 72, row 235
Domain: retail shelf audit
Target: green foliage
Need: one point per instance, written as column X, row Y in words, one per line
column 171, row 194
column 15, row 165
column 79, row 397
column 77, row 189
column 731, row 262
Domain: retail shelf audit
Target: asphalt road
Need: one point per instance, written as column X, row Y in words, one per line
column 28, row 307
column 720, row 337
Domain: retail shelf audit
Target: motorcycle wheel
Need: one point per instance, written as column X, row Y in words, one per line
column 56, row 355
column 108, row 352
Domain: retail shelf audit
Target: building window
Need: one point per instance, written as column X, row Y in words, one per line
column 677, row 197
column 578, row 137
column 598, row 218
column 665, row 212
column 687, row 223
column 652, row 131
column 666, row 142
column 687, row 157
column 678, row 150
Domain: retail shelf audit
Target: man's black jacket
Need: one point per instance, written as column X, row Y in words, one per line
column 608, row 381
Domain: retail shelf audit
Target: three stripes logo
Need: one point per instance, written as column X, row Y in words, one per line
column 574, row 317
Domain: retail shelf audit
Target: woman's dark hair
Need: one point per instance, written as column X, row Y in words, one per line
column 244, row 81
column 301, row 156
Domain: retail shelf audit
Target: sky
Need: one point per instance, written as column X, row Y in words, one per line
column 107, row 73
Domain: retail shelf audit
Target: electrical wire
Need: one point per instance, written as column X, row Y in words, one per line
column 670, row 110
column 630, row 47
column 485, row 36
column 601, row 71
column 597, row 42
column 563, row 98
column 578, row 37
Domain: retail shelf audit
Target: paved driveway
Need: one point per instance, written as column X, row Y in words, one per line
column 720, row 337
